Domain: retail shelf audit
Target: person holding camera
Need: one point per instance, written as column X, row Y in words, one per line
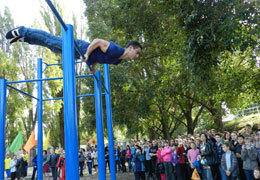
column 139, row 167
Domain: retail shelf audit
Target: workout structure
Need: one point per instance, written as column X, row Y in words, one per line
column 99, row 51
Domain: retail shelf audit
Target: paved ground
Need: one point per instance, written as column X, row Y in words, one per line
column 119, row 176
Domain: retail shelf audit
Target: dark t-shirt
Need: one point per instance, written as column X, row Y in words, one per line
column 111, row 56
column 153, row 150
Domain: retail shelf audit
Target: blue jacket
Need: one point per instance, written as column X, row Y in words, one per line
column 138, row 159
column 34, row 160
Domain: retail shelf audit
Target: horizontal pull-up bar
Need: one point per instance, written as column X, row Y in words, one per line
column 75, row 44
column 24, row 93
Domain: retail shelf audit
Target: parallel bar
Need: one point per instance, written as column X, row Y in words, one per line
column 57, row 14
column 99, row 127
column 87, row 95
column 20, row 91
column 46, row 79
column 61, row 63
column 51, row 99
column 39, row 118
column 70, row 108
column 82, row 76
column 2, row 126
column 34, row 80
column 109, row 124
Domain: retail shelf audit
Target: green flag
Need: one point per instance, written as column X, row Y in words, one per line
column 17, row 143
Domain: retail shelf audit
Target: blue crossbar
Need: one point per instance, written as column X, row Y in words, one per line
column 20, row 91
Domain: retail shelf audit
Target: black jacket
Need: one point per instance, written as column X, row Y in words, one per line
column 53, row 160
column 210, row 153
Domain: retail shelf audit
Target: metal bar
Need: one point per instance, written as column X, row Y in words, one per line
column 109, row 124
column 99, row 127
column 2, row 126
column 82, row 76
column 22, row 92
column 57, row 14
column 87, row 95
column 39, row 118
column 45, row 79
column 70, row 107
column 61, row 63
column 51, row 99
column 34, row 80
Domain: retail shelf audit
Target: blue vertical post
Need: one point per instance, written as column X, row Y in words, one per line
column 99, row 126
column 2, row 126
column 109, row 124
column 70, row 108
column 39, row 118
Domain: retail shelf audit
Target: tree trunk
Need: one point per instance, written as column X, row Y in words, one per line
column 165, row 129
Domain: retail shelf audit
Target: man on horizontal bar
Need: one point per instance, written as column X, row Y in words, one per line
column 98, row 51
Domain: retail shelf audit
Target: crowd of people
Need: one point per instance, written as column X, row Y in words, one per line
column 208, row 155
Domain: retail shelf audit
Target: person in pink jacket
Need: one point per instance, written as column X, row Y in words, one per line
column 160, row 166
column 167, row 155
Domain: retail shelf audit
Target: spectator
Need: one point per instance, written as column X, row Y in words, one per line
column 219, row 153
column 192, row 155
column 129, row 157
column 237, row 151
column 249, row 157
column 248, row 131
column 95, row 159
column 160, row 167
column 7, row 165
column 208, row 152
column 227, row 136
column 81, row 162
column 166, row 154
column 229, row 162
column 139, row 168
column 117, row 155
column 257, row 173
column 26, row 159
column 107, row 157
column 89, row 161
column 122, row 159
column 257, row 145
column 61, row 164
column 34, row 166
column 45, row 165
column 53, row 159
column 147, row 160
column 21, row 167
column 180, row 168
column 152, row 152
column 13, row 167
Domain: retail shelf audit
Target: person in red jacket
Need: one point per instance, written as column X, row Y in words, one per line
column 61, row 165
column 181, row 162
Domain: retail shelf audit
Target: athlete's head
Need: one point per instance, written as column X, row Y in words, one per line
column 135, row 49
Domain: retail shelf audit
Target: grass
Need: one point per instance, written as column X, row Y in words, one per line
column 239, row 123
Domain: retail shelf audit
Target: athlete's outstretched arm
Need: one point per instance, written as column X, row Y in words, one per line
column 96, row 43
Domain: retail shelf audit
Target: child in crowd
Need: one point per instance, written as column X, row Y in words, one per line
column 229, row 162
column 257, row 173
column 192, row 155
column 249, row 157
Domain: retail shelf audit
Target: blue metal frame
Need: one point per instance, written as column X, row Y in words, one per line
column 2, row 125
column 39, row 118
column 70, row 118
column 109, row 124
column 99, row 127
column 70, row 107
